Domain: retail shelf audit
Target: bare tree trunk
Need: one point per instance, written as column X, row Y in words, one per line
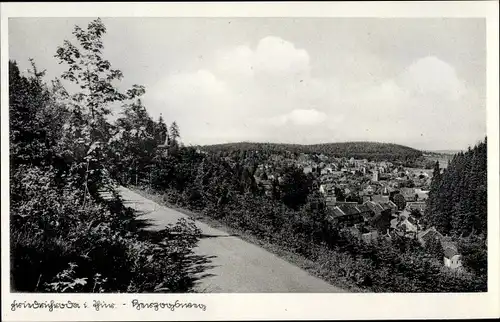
column 86, row 184
column 38, row 283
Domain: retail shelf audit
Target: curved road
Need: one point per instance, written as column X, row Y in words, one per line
column 236, row 266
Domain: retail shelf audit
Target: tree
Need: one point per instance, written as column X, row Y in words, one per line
column 35, row 119
column 415, row 213
column 339, row 194
column 435, row 248
column 295, row 187
column 161, row 132
column 88, row 128
column 400, row 201
column 474, row 254
column 174, row 132
column 94, row 75
column 135, row 142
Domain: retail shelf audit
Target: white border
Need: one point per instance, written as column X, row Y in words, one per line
column 274, row 306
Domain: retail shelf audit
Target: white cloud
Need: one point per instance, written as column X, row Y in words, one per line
column 202, row 82
column 267, row 93
column 275, row 55
column 306, row 117
column 301, row 117
column 238, row 61
column 432, row 76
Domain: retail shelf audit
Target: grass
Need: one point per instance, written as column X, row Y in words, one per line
column 313, row 268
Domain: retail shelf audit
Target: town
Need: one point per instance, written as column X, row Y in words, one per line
column 370, row 198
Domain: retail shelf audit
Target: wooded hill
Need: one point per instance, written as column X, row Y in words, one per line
column 373, row 151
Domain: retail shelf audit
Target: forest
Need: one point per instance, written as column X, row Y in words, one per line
column 66, row 154
column 458, row 197
column 372, row 151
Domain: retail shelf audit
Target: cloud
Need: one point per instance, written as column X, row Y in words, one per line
column 238, row 61
column 300, row 117
column 432, row 76
column 201, row 82
column 267, row 93
column 275, row 55
column 306, row 117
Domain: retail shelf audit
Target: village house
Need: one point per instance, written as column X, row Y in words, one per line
column 268, row 187
column 416, row 205
column 379, row 198
column 346, row 215
column 364, row 234
column 330, row 201
column 382, row 215
column 327, row 189
column 308, row 169
column 407, row 226
column 369, row 190
column 452, row 258
column 431, row 233
column 422, row 194
column 325, row 171
column 340, row 203
column 409, row 194
column 365, row 211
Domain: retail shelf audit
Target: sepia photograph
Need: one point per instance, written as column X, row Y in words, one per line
column 155, row 155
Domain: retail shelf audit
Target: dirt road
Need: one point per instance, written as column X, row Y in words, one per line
column 236, row 265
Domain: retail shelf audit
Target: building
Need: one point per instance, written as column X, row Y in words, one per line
column 375, row 176
column 326, row 170
column 391, row 205
column 422, row 195
column 382, row 215
column 365, row 211
column 268, row 187
column 409, row 194
column 369, row 190
column 416, row 205
column 380, row 198
column 407, row 227
column 364, row 234
column 346, row 215
column 327, row 189
column 330, row 201
column 425, row 236
column 452, row 258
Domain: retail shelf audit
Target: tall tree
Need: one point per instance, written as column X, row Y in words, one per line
column 92, row 73
column 174, row 132
column 161, row 132
column 295, row 187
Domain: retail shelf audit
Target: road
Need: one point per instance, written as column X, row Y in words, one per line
column 236, row 265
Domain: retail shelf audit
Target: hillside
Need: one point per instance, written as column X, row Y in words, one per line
column 360, row 150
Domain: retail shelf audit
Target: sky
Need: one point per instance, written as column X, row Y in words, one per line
column 419, row 82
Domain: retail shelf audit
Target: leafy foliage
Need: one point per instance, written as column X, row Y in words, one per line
column 65, row 236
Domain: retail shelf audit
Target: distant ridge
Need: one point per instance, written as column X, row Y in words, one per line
column 450, row 152
column 359, row 150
